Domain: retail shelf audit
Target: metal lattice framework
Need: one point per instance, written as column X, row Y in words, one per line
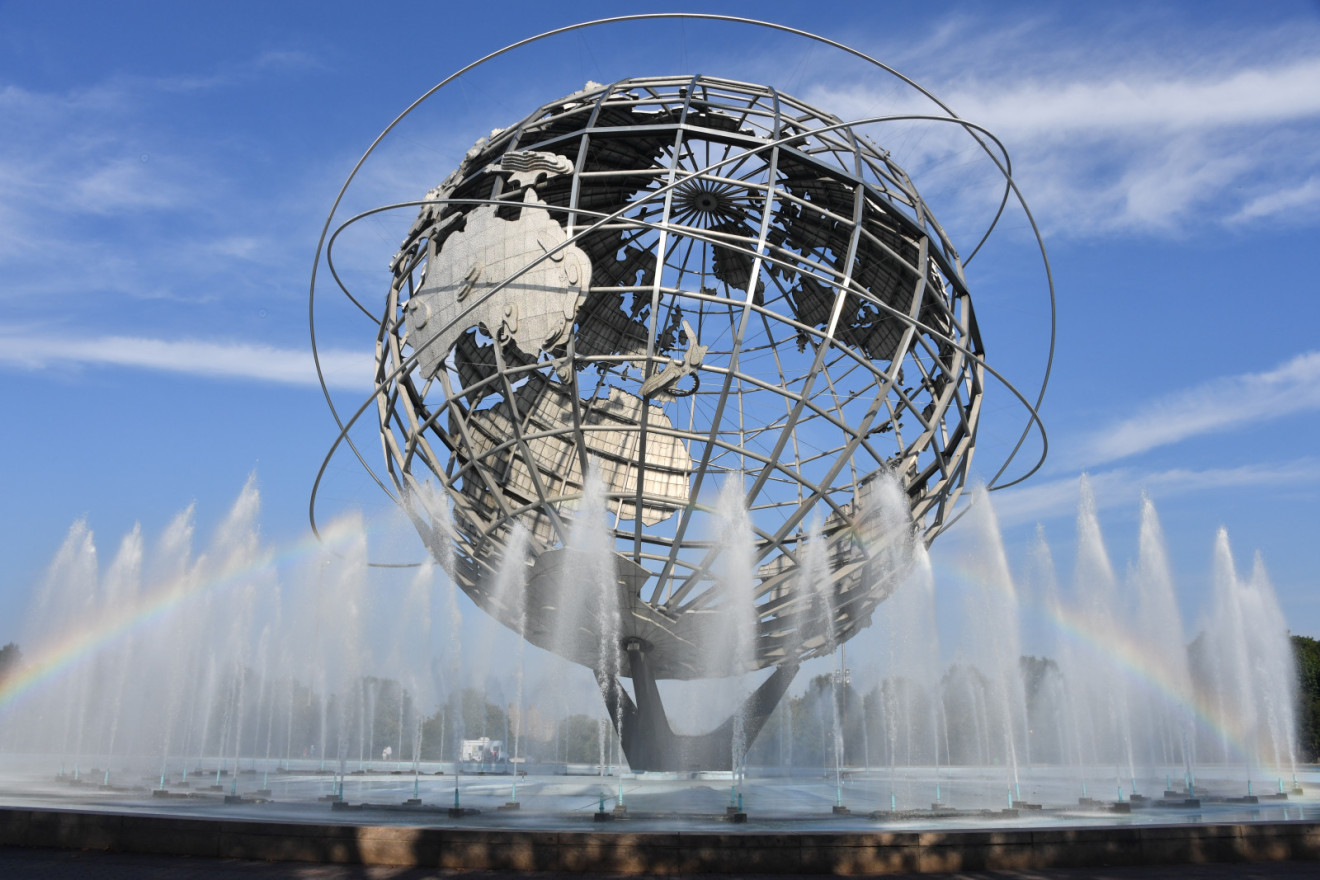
column 680, row 284
column 685, row 281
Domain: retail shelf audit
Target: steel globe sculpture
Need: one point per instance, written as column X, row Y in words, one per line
column 667, row 309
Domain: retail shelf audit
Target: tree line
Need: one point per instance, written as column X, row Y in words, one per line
column 894, row 722
column 1306, row 653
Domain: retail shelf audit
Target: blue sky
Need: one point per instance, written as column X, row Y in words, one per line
column 166, row 169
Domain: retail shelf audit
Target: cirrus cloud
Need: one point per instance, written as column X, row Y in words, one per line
column 349, row 370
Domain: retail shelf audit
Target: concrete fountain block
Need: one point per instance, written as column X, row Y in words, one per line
column 592, row 852
column 1183, row 843
column 489, row 849
column 167, row 836
column 1083, row 847
column 872, row 859
column 943, row 852
column 285, row 841
column 751, row 853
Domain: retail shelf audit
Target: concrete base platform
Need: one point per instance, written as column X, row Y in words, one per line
column 772, row 851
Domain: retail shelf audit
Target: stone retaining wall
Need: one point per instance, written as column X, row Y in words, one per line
column 659, row 852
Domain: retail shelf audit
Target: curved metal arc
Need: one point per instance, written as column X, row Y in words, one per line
column 334, row 273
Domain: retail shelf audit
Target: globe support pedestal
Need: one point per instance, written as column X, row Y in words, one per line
column 650, row 744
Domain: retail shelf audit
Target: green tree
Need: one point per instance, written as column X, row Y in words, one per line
column 465, row 715
column 773, row 746
column 1043, row 686
column 579, row 739
column 11, row 660
column 1306, row 652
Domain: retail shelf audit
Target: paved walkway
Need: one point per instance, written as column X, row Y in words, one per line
column 17, row 863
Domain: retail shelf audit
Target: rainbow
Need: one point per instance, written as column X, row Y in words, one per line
column 1133, row 658
column 52, row 661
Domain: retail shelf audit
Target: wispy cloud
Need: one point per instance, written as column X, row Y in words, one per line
column 349, row 370
column 1218, row 405
column 1121, row 141
column 1146, row 102
column 1047, row 499
column 1115, row 103
column 147, row 195
column 1303, row 200
column 123, row 184
column 235, row 72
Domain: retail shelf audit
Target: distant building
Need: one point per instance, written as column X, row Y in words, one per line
column 482, row 751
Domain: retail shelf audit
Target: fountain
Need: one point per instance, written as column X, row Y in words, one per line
column 956, row 723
